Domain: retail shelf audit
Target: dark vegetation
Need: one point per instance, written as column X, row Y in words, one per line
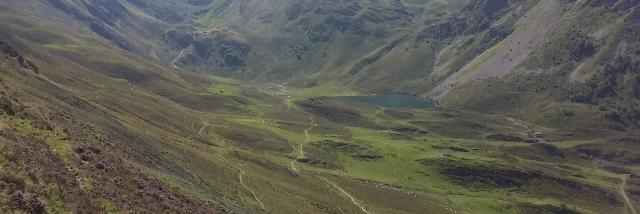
column 620, row 151
column 544, row 152
column 349, row 17
column 464, row 128
column 614, row 90
column 483, row 176
column 475, row 17
column 11, row 52
column 358, row 150
column 253, row 138
column 218, row 50
column 529, row 208
column 520, row 179
column 335, row 112
column 504, row 137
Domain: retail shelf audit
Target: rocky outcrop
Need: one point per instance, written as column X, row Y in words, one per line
column 618, row 81
column 219, row 51
column 13, row 54
column 476, row 16
column 320, row 22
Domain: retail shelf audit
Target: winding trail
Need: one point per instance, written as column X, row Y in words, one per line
column 202, row 129
column 255, row 196
column 353, row 200
column 173, row 63
column 312, row 125
column 240, row 173
column 628, row 203
column 306, row 134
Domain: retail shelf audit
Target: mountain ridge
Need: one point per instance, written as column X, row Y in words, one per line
column 202, row 106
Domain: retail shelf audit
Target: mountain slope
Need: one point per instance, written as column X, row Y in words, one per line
column 428, row 47
column 123, row 131
column 107, row 105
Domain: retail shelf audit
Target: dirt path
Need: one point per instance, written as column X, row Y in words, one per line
column 240, row 173
column 313, row 124
column 353, row 200
column 202, row 129
column 173, row 63
column 628, row 203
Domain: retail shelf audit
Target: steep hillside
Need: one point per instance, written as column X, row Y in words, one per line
column 429, row 47
column 118, row 131
column 585, row 68
column 228, row 106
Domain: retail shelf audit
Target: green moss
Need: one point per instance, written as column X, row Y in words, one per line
column 108, row 205
column 224, row 89
column 56, row 138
